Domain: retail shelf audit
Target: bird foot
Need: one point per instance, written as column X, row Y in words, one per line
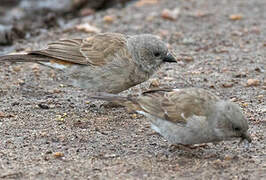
column 110, row 105
column 174, row 147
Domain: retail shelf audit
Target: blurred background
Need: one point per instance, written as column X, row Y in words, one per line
column 20, row 17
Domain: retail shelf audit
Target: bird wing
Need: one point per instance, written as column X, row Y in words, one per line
column 174, row 105
column 96, row 50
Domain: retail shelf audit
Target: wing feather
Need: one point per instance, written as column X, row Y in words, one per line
column 96, row 50
column 176, row 106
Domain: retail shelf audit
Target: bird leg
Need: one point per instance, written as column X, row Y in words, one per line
column 108, row 105
column 174, row 147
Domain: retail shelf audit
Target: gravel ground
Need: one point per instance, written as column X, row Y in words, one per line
column 52, row 131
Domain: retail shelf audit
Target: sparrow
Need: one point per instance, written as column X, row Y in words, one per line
column 106, row 62
column 186, row 116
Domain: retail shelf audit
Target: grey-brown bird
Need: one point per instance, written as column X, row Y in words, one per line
column 186, row 116
column 108, row 62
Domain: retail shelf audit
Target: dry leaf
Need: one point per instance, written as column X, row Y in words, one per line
column 35, row 67
column 211, row 86
column 20, row 82
column 227, row 85
column 2, row 114
column 228, row 158
column 260, row 96
column 134, row 116
column 108, row 19
column 253, row 82
column 16, row 68
column 170, row 14
column 235, row 17
column 218, row 162
column 233, row 99
column 155, row 83
column 58, row 154
column 87, row 28
column 43, row 134
column 201, row 14
column 56, row 91
column 244, row 104
column 145, row 2
column 188, row 58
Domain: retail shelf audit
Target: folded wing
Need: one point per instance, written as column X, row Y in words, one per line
column 176, row 105
column 96, row 50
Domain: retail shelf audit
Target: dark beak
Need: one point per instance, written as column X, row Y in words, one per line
column 169, row 58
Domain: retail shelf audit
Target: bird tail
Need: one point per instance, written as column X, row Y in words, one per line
column 129, row 102
column 24, row 58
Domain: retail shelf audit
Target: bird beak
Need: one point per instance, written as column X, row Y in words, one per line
column 169, row 58
column 245, row 136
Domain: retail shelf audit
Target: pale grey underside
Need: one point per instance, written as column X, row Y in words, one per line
column 196, row 130
column 114, row 77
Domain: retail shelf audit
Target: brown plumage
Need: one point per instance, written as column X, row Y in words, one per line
column 186, row 116
column 95, row 62
column 96, row 50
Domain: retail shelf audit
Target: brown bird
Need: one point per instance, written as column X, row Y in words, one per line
column 186, row 116
column 108, row 62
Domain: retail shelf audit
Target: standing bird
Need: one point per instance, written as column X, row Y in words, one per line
column 186, row 116
column 108, row 62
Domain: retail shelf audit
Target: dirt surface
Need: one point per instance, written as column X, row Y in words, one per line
column 53, row 131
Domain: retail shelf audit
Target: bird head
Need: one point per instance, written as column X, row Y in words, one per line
column 149, row 51
column 230, row 122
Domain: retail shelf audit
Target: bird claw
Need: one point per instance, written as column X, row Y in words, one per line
column 174, row 147
column 110, row 105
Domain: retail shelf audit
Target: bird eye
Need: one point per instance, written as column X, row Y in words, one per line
column 156, row 54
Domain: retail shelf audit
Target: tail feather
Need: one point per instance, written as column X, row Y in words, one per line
column 24, row 58
column 130, row 103
column 109, row 97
